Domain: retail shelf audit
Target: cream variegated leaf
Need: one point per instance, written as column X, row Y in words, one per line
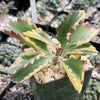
column 40, row 38
column 80, row 48
column 29, row 70
column 23, row 39
column 23, row 59
column 74, row 70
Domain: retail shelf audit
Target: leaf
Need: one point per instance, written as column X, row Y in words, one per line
column 64, row 28
column 85, row 33
column 26, row 72
column 74, row 70
column 16, row 30
column 80, row 48
column 24, row 59
column 23, row 39
column 20, row 26
column 29, row 34
column 40, row 38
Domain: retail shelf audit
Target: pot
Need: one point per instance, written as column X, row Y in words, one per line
column 61, row 89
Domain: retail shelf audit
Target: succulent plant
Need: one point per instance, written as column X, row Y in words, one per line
column 4, row 8
column 42, row 10
column 8, row 54
column 73, row 36
column 93, row 90
column 54, row 2
column 83, row 4
column 12, row 40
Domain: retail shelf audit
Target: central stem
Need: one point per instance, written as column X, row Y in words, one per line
column 57, row 55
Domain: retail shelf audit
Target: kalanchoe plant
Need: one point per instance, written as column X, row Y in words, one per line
column 73, row 36
column 4, row 8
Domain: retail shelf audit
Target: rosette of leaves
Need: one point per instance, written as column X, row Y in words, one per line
column 83, row 4
column 5, row 8
column 8, row 54
column 73, row 36
column 93, row 90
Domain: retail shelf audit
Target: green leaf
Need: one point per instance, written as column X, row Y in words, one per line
column 26, row 72
column 74, row 70
column 80, row 48
column 23, row 59
column 64, row 28
column 85, row 33
column 20, row 26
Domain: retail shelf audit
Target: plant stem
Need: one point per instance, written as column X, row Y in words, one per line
column 57, row 55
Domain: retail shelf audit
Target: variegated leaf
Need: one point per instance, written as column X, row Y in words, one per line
column 22, row 38
column 26, row 72
column 74, row 70
column 40, row 38
column 85, row 33
column 39, row 34
column 23, row 60
column 16, row 30
column 71, row 20
column 80, row 48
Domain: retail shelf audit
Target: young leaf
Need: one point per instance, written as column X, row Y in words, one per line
column 24, row 59
column 64, row 28
column 26, row 72
column 74, row 70
column 85, row 33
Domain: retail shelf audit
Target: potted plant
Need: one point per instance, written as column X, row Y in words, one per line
column 57, row 65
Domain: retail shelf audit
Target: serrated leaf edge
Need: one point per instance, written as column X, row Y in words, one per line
column 72, row 78
column 23, row 39
column 96, row 31
column 31, row 74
